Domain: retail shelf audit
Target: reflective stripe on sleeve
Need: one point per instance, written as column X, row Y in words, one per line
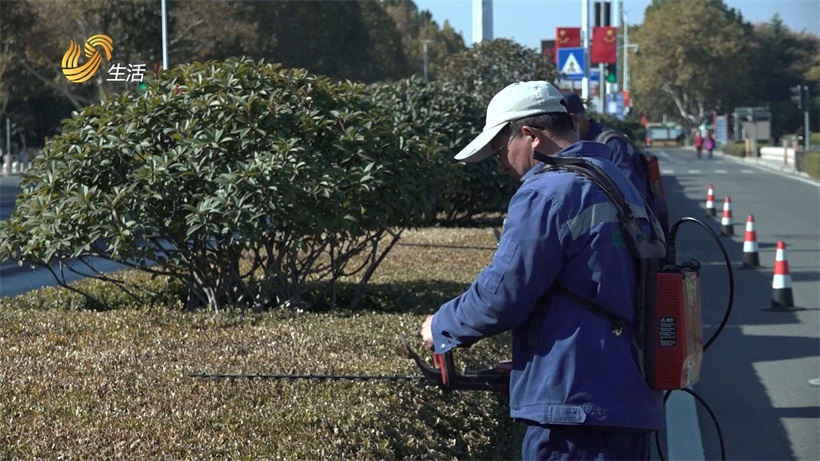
column 599, row 213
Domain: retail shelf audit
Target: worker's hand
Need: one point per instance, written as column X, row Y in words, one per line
column 427, row 332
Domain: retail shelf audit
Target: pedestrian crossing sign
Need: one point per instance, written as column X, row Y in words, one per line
column 571, row 63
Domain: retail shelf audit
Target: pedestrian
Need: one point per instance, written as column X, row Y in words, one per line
column 574, row 382
column 698, row 143
column 624, row 155
column 710, row 143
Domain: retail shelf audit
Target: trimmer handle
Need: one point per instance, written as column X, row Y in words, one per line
column 443, row 373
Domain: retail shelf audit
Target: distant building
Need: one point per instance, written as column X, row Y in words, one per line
column 482, row 20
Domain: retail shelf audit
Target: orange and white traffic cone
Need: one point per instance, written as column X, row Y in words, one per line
column 782, row 298
column 710, row 201
column 750, row 250
column 726, row 221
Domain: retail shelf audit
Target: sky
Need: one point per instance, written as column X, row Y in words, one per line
column 530, row 21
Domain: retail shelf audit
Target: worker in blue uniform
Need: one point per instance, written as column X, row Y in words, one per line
column 624, row 155
column 574, row 382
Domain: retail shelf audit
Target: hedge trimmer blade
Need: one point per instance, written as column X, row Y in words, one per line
column 442, row 374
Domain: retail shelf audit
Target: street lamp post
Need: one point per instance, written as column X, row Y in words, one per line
column 585, row 35
column 164, row 36
column 626, row 48
column 424, row 48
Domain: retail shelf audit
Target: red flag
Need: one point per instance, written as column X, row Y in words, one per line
column 604, row 45
column 567, row 37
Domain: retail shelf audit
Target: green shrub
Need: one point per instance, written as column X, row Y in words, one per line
column 735, row 149
column 490, row 65
column 811, row 164
column 444, row 119
column 217, row 164
column 633, row 129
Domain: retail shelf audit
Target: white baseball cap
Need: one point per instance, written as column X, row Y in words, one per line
column 516, row 101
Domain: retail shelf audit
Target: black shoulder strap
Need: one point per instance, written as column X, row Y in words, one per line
column 617, row 323
column 629, row 227
column 594, row 173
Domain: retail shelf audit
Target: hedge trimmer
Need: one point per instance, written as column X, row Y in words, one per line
column 442, row 374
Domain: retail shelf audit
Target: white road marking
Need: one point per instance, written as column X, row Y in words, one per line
column 682, row 428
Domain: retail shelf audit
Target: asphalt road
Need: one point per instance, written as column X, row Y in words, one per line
column 756, row 374
column 16, row 280
column 8, row 190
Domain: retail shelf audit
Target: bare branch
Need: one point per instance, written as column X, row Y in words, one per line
column 77, row 101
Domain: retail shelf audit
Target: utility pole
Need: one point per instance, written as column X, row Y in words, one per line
column 8, row 136
column 5, row 161
column 602, row 19
column 424, row 48
column 806, row 107
column 585, row 34
column 800, row 96
column 626, row 52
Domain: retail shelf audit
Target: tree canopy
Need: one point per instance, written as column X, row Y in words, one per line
column 699, row 56
column 490, row 65
column 360, row 41
column 694, row 54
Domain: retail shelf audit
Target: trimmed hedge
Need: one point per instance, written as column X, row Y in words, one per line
column 101, row 385
column 735, row 149
column 811, row 164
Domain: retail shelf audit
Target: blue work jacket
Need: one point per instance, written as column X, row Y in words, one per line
column 625, row 158
column 561, row 229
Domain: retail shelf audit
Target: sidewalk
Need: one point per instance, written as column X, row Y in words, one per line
column 763, row 162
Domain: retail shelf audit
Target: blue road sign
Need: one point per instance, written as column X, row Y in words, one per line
column 594, row 75
column 571, row 63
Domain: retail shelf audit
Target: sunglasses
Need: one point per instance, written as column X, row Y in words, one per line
column 497, row 152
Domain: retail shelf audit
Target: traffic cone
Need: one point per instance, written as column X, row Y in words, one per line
column 782, row 298
column 750, row 256
column 726, row 221
column 710, row 201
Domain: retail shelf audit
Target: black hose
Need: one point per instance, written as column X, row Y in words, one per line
column 672, row 253
column 711, row 413
column 671, row 257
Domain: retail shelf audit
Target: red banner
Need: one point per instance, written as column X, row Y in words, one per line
column 567, row 37
column 604, row 45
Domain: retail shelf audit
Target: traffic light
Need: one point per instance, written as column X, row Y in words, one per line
column 611, row 73
column 797, row 95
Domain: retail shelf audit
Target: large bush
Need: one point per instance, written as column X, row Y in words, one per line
column 252, row 183
column 810, row 164
column 490, row 65
column 444, row 118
